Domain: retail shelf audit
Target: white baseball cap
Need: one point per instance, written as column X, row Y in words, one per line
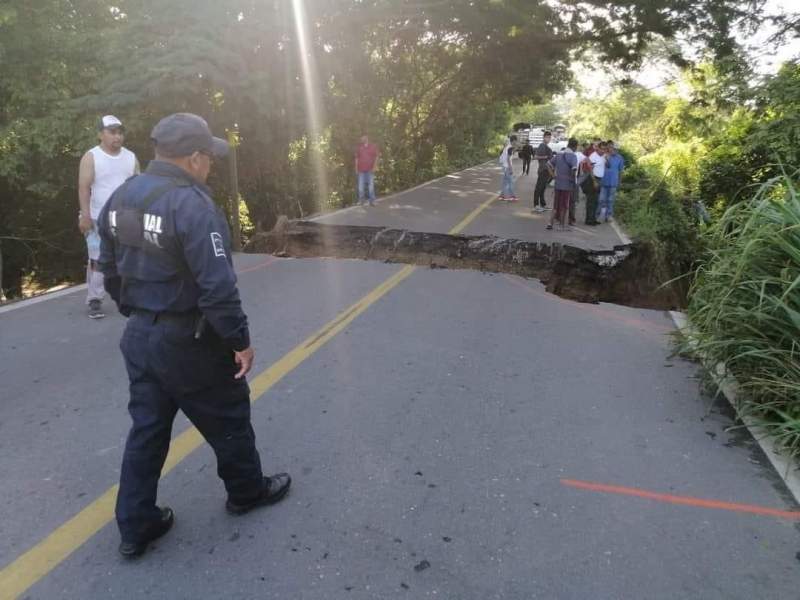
column 110, row 122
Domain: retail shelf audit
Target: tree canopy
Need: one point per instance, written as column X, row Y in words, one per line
column 430, row 80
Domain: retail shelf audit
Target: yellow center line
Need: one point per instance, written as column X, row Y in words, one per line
column 471, row 217
column 37, row 562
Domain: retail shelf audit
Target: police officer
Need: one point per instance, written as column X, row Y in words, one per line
column 166, row 257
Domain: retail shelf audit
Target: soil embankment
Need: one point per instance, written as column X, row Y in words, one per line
column 621, row 275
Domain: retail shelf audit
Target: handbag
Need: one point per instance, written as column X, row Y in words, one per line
column 551, row 168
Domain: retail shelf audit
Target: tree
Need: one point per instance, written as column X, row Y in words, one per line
column 630, row 110
column 430, row 79
column 47, row 59
column 758, row 143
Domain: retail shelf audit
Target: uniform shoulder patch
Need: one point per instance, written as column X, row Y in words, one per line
column 216, row 243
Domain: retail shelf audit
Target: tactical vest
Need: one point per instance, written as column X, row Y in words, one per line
column 135, row 226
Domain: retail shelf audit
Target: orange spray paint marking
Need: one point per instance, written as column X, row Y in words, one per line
column 684, row 500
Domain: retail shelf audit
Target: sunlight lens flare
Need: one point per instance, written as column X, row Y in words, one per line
column 312, row 95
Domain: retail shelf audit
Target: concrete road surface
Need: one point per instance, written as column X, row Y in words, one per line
column 452, row 435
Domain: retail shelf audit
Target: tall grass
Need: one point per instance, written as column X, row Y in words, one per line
column 745, row 306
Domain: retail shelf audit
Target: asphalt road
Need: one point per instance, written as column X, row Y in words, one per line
column 447, row 443
column 437, row 206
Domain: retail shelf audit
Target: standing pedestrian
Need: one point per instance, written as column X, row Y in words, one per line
column 588, row 149
column 586, row 182
column 592, row 184
column 543, row 154
column 526, row 154
column 166, row 256
column 612, row 177
column 506, row 161
column 366, row 158
column 580, row 157
column 102, row 170
column 565, row 164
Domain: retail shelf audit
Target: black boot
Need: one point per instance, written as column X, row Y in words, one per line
column 156, row 530
column 275, row 489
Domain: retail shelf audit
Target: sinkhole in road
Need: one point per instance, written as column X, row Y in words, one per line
column 623, row 275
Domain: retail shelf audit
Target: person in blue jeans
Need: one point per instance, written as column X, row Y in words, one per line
column 366, row 187
column 366, row 162
column 506, row 162
column 615, row 164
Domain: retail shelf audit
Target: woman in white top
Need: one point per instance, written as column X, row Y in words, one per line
column 506, row 161
column 591, row 186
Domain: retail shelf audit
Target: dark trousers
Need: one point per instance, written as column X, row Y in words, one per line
column 561, row 202
column 169, row 370
column 526, row 165
column 541, row 185
column 591, row 192
column 573, row 201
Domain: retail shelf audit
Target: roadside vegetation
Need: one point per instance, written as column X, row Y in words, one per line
column 745, row 305
column 693, row 151
column 713, row 191
column 432, row 82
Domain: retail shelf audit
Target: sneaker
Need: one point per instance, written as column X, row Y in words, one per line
column 549, row 226
column 512, row 199
column 501, row 198
column 159, row 528
column 96, row 309
column 546, row 208
column 275, row 489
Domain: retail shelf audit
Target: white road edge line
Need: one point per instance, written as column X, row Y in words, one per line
column 41, row 298
column 46, row 296
column 621, row 234
column 729, row 388
column 77, row 288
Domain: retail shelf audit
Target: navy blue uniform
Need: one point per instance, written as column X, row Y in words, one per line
column 174, row 277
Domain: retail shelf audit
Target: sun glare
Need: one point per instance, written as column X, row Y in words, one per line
column 312, row 95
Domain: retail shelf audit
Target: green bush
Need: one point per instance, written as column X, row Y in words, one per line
column 754, row 142
column 677, row 162
column 732, row 164
column 666, row 225
column 745, row 305
column 636, row 176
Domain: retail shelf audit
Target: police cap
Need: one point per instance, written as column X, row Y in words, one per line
column 183, row 134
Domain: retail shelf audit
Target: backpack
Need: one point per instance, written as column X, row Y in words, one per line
column 551, row 167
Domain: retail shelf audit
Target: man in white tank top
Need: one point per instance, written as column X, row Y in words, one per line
column 102, row 170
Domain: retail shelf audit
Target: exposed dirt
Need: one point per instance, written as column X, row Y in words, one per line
column 622, row 276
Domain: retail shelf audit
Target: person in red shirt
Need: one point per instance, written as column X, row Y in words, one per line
column 366, row 156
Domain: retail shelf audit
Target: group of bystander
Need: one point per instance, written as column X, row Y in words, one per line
column 594, row 168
